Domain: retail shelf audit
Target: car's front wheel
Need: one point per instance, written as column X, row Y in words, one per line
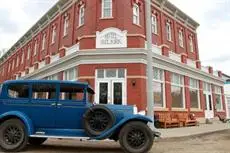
column 37, row 141
column 136, row 137
column 13, row 136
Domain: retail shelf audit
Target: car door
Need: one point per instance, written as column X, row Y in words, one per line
column 43, row 105
column 71, row 106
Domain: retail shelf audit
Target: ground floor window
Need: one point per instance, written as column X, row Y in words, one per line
column 194, row 93
column 177, row 90
column 218, row 95
column 70, row 74
column 158, row 87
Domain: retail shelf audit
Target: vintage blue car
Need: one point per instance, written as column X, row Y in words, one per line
column 31, row 111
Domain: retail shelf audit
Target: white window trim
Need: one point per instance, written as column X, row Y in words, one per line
column 221, row 100
column 43, row 41
column 169, row 31
column 103, row 7
column 191, row 44
column 135, row 6
column 28, row 52
column 35, row 48
column 181, row 39
column 81, row 15
column 22, row 57
column 66, row 74
column 17, row 61
column 198, row 90
column 66, row 26
column 154, row 24
column 54, row 35
column 183, row 89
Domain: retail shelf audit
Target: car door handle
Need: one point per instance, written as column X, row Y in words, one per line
column 53, row 104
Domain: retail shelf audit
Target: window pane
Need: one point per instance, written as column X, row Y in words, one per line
column 107, row 3
column 107, row 12
column 100, row 73
column 177, row 97
column 158, row 94
column 194, row 98
column 44, row 91
column 218, row 102
column 111, row 73
column 121, row 73
column 117, row 93
column 71, row 92
column 18, row 91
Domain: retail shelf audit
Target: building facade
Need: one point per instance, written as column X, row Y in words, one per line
column 103, row 42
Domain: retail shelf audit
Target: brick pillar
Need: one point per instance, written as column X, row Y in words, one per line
column 165, row 50
column 198, row 64
column 184, row 58
column 210, row 69
column 62, row 52
column 168, row 90
column 61, row 75
column 187, row 94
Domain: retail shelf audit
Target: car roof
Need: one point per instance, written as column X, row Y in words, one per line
column 90, row 89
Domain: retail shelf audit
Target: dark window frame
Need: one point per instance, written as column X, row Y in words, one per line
column 10, row 97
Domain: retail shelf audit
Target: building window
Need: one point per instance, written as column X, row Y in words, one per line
column 22, row 57
column 218, row 95
column 110, row 73
column 158, row 87
column 136, row 14
column 107, row 8
column 154, row 24
column 66, row 24
column 54, row 33
column 28, row 53
column 82, row 15
column 43, row 91
column 70, row 74
column 194, row 93
column 13, row 64
column 177, row 90
column 181, row 38
column 53, row 77
column 191, row 46
column 9, row 67
column 43, row 41
column 35, row 47
column 169, row 31
column 17, row 61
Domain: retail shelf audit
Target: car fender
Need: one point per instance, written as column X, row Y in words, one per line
column 122, row 122
column 23, row 117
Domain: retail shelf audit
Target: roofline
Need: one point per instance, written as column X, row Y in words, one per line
column 40, row 24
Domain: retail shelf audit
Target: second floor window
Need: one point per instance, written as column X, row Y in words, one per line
column 43, row 41
column 191, row 44
column 54, row 33
column 82, row 15
column 168, row 31
column 107, row 6
column 66, row 25
column 35, row 47
column 22, row 57
column 154, row 24
column 28, row 53
column 17, row 61
column 136, row 14
column 181, row 38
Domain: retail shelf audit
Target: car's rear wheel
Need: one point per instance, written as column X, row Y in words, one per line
column 97, row 120
column 37, row 141
column 136, row 137
column 13, row 136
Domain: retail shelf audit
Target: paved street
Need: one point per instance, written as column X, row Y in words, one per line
column 213, row 143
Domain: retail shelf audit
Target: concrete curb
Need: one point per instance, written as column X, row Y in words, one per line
column 182, row 138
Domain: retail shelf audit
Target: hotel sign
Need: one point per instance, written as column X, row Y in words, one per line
column 111, row 38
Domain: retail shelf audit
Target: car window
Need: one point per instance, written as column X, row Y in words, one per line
column 0, row 88
column 43, row 91
column 71, row 92
column 18, row 90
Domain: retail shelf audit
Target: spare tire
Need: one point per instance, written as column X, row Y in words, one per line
column 97, row 119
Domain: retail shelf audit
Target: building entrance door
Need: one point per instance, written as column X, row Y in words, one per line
column 209, row 111
column 111, row 88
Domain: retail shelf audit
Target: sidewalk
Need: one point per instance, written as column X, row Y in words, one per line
column 192, row 131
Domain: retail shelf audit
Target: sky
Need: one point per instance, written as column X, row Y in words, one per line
column 18, row 16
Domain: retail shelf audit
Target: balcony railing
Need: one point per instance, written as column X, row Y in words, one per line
column 174, row 56
column 72, row 49
column 54, row 58
column 205, row 69
column 156, row 50
column 191, row 63
column 42, row 64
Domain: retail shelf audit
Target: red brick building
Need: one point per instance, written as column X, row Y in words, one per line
column 102, row 42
